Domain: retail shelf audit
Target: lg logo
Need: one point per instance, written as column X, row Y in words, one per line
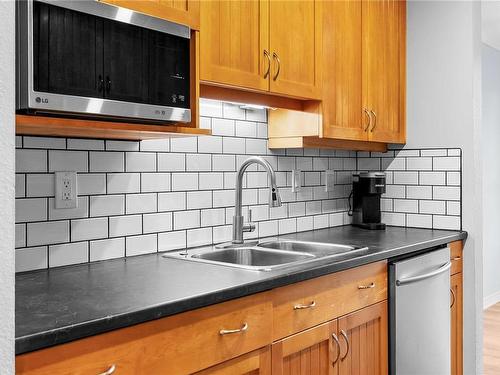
column 41, row 100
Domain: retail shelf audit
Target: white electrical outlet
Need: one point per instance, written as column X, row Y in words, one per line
column 66, row 190
column 296, row 180
column 329, row 180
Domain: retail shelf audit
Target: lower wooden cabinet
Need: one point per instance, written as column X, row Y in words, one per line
column 364, row 341
column 308, row 352
column 257, row 362
column 456, row 309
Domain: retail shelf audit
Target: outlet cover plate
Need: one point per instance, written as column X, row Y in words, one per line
column 66, row 193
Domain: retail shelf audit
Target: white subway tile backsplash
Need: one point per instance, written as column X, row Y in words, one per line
column 155, row 182
column 268, row 228
column 184, row 181
column 107, row 205
column 199, row 199
column 432, row 178
column 453, row 208
column 419, row 221
column 31, row 161
column 210, row 108
column 211, row 145
column 221, row 234
column 256, row 114
column 68, row 161
column 246, row 129
column 432, row 207
column 107, row 249
column 450, row 193
column 157, row 222
column 223, row 127
column 287, row 226
column 40, row 185
column 183, row 144
column 175, row 201
column 122, row 145
column 89, row 229
column 419, row 192
column 171, row 240
column 141, row 203
column 199, row 237
column 44, row 142
column 233, row 111
column 155, row 145
column 80, row 211
column 223, row 163
column 397, row 164
column 107, row 161
column 212, row 217
column 118, row 183
column 138, row 245
column 140, row 162
column 419, row 163
column 320, row 221
column 446, row 164
column 31, row 209
column 395, row 191
column 49, row 232
column 85, row 144
column 392, row 218
column 171, row 162
column 304, row 223
column 336, row 219
column 91, row 183
column 405, row 178
column 186, row 219
column 19, row 141
column 125, row 225
column 33, row 258
column 256, row 146
column 66, row 254
column 455, row 152
column 453, row 178
column 211, row 181
column 446, row 222
column 20, row 235
column 405, row 205
column 20, row 185
column 231, row 145
column 198, row 162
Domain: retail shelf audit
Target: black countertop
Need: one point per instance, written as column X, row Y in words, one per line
column 63, row 304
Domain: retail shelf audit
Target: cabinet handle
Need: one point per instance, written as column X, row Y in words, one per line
column 229, row 331
column 100, row 84
column 454, row 297
column 337, row 343
column 276, row 57
column 109, row 371
column 369, row 286
column 301, row 306
column 375, row 121
column 344, row 335
column 108, row 84
column 457, row 258
column 369, row 119
column 269, row 64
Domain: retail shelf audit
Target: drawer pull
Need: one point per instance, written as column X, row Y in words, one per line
column 457, row 258
column 344, row 335
column 109, row 371
column 229, row 331
column 369, row 286
column 337, row 343
column 454, row 297
column 301, row 306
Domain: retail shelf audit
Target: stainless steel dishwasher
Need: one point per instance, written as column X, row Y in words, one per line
column 419, row 314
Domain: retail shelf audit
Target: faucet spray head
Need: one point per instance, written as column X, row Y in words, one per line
column 274, row 196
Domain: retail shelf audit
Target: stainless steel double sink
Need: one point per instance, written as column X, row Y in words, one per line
column 267, row 255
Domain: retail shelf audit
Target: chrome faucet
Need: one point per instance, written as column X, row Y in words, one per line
column 274, row 198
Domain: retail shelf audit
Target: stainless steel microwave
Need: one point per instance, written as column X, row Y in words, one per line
column 87, row 58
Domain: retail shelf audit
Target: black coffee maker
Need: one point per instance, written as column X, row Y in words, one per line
column 367, row 187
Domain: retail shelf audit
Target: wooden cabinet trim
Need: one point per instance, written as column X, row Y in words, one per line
column 456, row 257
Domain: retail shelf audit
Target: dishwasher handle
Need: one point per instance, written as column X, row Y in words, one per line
column 445, row 267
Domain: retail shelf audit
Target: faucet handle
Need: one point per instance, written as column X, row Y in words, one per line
column 249, row 226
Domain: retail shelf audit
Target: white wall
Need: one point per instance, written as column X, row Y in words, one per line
column 491, row 172
column 443, row 99
column 7, row 187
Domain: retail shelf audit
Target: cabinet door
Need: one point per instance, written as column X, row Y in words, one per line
column 295, row 32
column 234, row 36
column 314, row 351
column 343, row 116
column 67, row 49
column 456, row 324
column 257, row 362
column 384, row 24
column 185, row 12
column 125, row 62
column 364, row 339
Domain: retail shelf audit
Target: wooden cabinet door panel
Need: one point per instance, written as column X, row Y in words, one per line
column 308, row 352
column 185, row 12
column 364, row 340
column 295, row 31
column 456, row 324
column 234, row 36
column 384, row 68
column 343, row 116
column 257, row 362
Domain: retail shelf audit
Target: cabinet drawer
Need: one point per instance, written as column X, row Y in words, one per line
column 300, row 306
column 456, row 257
column 179, row 344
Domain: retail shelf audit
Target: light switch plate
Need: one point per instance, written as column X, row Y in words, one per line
column 329, row 180
column 66, row 190
column 296, row 180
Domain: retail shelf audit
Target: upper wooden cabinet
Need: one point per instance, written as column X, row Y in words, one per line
column 270, row 46
column 234, row 38
column 185, row 12
column 363, row 72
